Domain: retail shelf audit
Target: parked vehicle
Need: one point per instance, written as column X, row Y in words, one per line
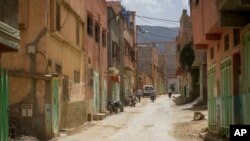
column 114, row 106
column 131, row 101
column 148, row 90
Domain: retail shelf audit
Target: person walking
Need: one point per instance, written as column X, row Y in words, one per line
column 169, row 92
column 139, row 94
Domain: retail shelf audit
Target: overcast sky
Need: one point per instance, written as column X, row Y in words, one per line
column 163, row 9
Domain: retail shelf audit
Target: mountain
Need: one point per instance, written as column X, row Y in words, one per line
column 149, row 34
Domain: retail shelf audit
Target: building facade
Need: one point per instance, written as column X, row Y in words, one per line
column 129, row 54
column 224, row 35
column 115, row 49
column 9, row 42
column 184, row 38
column 96, row 48
column 148, row 67
column 47, row 75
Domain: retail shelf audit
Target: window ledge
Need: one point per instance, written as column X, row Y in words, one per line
column 57, row 35
column 9, row 37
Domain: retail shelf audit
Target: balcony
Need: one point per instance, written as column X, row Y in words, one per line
column 9, row 38
column 235, row 5
column 233, row 13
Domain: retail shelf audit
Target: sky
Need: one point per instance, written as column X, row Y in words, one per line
column 163, row 9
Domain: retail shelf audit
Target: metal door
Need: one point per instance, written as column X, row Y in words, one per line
column 226, row 97
column 96, row 92
column 55, row 105
column 104, row 96
column 211, row 99
column 246, row 81
column 4, row 127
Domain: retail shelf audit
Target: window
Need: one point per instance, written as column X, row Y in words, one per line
column 104, row 38
column 97, row 33
column 89, row 60
column 91, row 75
column 226, row 42
column 76, row 76
column 65, row 88
column 77, row 32
column 58, row 69
column 9, row 12
column 197, row 2
column 218, row 47
column 236, row 37
column 49, row 63
column 90, row 25
column 58, row 16
column 212, row 53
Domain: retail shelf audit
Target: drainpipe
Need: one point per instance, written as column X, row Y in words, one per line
column 122, row 98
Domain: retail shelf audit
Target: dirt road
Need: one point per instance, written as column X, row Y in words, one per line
column 161, row 120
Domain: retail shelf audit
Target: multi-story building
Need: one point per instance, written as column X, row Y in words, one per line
column 221, row 28
column 96, row 48
column 47, row 75
column 121, row 51
column 162, row 84
column 129, row 54
column 9, row 42
column 184, row 38
column 172, row 80
column 192, row 82
column 148, row 65
column 115, row 49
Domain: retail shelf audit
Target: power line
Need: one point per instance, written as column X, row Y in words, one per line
column 172, row 30
column 161, row 36
column 157, row 35
column 159, row 19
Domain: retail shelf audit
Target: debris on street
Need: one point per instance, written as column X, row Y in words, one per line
column 25, row 138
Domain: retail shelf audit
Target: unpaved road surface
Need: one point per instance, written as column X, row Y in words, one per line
column 148, row 121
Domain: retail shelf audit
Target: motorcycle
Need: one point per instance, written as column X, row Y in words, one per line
column 152, row 97
column 133, row 101
column 114, row 106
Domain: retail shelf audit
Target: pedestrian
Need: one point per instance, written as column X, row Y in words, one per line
column 169, row 92
column 139, row 94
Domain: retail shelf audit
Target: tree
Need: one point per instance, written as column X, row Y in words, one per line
column 187, row 57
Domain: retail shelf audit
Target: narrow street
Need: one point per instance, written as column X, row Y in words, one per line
column 147, row 121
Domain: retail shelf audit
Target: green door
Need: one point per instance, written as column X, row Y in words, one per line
column 55, row 105
column 246, row 79
column 4, row 127
column 226, row 94
column 211, row 99
column 96, row 92
column 104, row 96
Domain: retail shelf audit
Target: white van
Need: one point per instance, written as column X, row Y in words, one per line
column 147, row 90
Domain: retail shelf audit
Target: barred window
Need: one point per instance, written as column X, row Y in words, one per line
column 90, row 25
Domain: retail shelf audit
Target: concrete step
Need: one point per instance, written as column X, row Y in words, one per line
column 100, row 116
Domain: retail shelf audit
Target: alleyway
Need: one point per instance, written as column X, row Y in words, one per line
column 147, row 122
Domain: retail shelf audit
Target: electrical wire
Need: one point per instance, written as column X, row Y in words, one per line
column 64, row 22
column 159, row 35
column 156, row 25
column 159, row 19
